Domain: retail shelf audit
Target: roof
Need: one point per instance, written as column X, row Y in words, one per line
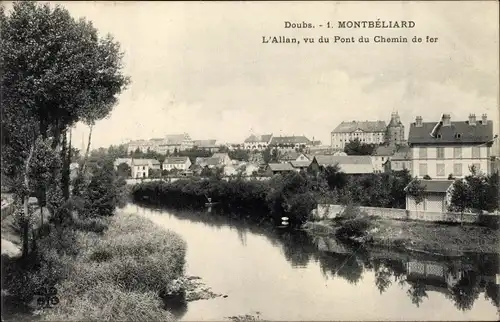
column 258, row 138
column 154, row 161
column 175, row 160
column 384, row 150
column 176, row 138
column 300, row 164
column 290, row 155
column 207, row 161
column 403, row 153
column 204, row 143
column 289, row 140
column 140, row 162
column 119, row 161
column 436, row 185
column 280, row 167
column 458, row 132
column 366, row 126
column 349, row 164
column 220, row 155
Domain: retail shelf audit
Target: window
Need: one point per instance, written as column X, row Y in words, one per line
column 422, row 169
column 143, row 168
column 422, row 153
column 440, row 153
column 440, row 170
column 457, row 169
column 457, row 152
column 476, row 152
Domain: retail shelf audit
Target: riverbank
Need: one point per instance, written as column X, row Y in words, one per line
column 416, row 236
column 120, row 268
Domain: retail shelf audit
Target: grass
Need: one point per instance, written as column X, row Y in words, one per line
column 120, row 274
column 112, row 268
column 435, row 237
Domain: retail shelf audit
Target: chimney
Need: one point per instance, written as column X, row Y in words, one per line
column 446, row 119
column 418, row 121
column 485, row 119
column 472, row 119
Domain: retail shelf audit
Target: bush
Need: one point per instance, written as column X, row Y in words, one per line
column 354, row 223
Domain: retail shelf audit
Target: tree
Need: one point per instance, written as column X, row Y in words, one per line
column 356, row 147
column 56, row 72
column 335, row 178
column 460, row 197
column 124, row 170
column 416, row 190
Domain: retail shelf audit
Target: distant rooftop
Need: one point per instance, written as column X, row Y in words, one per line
column 365, row 126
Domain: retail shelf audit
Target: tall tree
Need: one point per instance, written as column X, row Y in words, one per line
column 356, row 147
column 56, row 71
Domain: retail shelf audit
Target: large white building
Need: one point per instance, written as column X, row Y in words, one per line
column 441, row 148
column 257, row 142
column 368, row 132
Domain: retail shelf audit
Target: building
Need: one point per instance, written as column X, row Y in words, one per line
column 304, row 157
column 179, row 163
column 154, row 164
column 368, row 132
column 278, row 168
column 401, row 160
column 140, row 168
column 395, row 131
column 287, row 156
column 209, row 162
column 441, row 148
column 300, row 165
column 290, row 143
column 349, row 164
column 208, row 145
column 257, row 142
column 381, row 155
column 175, row 142
column 119, row 161
column 436, row 196
column 223, row 157
column 141, row 145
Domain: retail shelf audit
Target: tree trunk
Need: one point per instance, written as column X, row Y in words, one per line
column 65, row 168
column 82, row 168
column 26, row 197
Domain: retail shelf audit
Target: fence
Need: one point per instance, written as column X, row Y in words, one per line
column 329, row 211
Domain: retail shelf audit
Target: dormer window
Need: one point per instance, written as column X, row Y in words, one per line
column 458, row 136
column 439, row 136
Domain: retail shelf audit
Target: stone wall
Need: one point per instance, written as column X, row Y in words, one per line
column 329, row 211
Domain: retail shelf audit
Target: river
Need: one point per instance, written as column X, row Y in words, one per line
column 287, row 275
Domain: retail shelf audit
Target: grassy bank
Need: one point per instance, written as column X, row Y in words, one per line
column 417, row 236
column 105, row 269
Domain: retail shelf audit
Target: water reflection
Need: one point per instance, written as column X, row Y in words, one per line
column 460, row 280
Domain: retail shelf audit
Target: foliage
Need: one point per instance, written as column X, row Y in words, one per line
column 476, row 192
column 416, row 190
column 57, row 67
column 239, row 154
column 356, row 147
column 124, row 170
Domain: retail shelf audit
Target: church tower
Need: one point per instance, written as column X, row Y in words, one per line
column 395, row 133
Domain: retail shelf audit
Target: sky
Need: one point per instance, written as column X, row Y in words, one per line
column 201, row 68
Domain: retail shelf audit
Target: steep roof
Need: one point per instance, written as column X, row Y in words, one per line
column 300, row 164
column 258, row 138
column 290, row 155
column 435, row 185
column 280, row 167
column 289, row 140
column 204, row 143
column 175, row 160
column 140, row 162
column 460, row 132
column 350, row 164
column 365, row 126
